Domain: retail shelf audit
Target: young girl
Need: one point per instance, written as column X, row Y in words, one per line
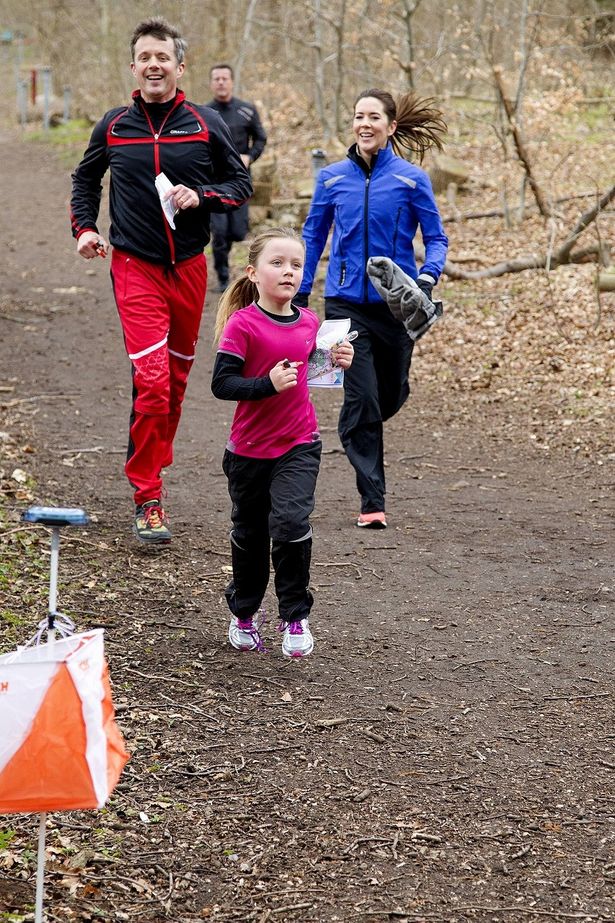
column 273, row 452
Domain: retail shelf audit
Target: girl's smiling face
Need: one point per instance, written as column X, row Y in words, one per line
column 277, row 273
column 371, row 127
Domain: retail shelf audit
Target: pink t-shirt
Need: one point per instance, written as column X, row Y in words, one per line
column 269, row 427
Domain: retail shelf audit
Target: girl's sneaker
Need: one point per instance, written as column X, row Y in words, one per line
column 297, row 640
column 244, row 635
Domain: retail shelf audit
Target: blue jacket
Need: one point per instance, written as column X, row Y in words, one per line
column 374, row 212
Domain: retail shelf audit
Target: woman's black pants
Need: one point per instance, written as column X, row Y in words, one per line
column 375, row 388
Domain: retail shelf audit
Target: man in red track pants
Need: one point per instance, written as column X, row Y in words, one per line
column 158, row 267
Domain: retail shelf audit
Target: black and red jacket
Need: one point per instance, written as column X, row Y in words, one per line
column 192, row 146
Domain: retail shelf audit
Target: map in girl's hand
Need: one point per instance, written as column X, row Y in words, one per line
column 322, row 373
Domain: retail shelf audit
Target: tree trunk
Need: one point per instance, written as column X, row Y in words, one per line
column 243, row 46
column 340, row 31
column 319, row 72
column 522, row 152
column 606, row 280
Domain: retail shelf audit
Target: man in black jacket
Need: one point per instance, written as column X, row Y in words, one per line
column 249, row 136
column 172, row 164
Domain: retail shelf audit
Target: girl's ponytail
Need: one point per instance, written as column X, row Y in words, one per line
column 240, row 293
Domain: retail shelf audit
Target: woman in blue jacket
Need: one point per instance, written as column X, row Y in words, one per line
column 375, row 200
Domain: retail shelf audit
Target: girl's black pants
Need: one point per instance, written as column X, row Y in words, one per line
column 272, row 500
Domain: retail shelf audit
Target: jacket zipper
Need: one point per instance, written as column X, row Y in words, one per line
column 342, row 272
column 365, row 237
column 156, row 135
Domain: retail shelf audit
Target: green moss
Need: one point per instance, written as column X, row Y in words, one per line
column 589, row 124
column 68, row 140
column 24, row 581
column 75, row 131
column 6, row 836
column 11, row 618
column 596, row 116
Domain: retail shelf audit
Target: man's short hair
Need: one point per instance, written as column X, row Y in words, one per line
column 221, row 67
column 162, row 30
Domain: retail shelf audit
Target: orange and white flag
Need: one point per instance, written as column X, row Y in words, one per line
column 60, row 748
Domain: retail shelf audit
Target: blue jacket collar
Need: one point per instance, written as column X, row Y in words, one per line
column 380, row 159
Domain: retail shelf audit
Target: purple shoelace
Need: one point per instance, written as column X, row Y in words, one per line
column 253, row 627
column 294, row 628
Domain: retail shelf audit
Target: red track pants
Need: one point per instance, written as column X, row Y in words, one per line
column 160, row 311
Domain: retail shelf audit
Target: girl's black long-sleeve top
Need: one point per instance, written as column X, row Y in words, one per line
column 228, row 384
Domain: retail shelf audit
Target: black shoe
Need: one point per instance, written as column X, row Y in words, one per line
column 221, row 286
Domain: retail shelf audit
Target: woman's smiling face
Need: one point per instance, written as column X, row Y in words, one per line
column 371, row 127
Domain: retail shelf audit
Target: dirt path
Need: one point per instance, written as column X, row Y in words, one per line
column 446, row 754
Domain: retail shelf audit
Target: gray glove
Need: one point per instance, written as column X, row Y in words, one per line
column 406, row 301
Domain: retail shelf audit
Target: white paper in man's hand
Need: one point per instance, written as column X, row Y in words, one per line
column 164, row 185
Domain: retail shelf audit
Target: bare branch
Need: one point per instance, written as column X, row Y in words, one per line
column 521, row 263
column 499, row 213
column 583, row 223
column 549, row 260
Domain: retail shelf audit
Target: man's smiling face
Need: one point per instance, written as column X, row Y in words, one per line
column 156, row 69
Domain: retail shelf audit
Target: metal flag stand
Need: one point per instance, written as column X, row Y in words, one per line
column 55, row 517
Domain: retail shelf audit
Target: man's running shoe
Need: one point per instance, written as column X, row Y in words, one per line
column 244, row 635
column 151, row 524
column 372, row 521
column 297, row 640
